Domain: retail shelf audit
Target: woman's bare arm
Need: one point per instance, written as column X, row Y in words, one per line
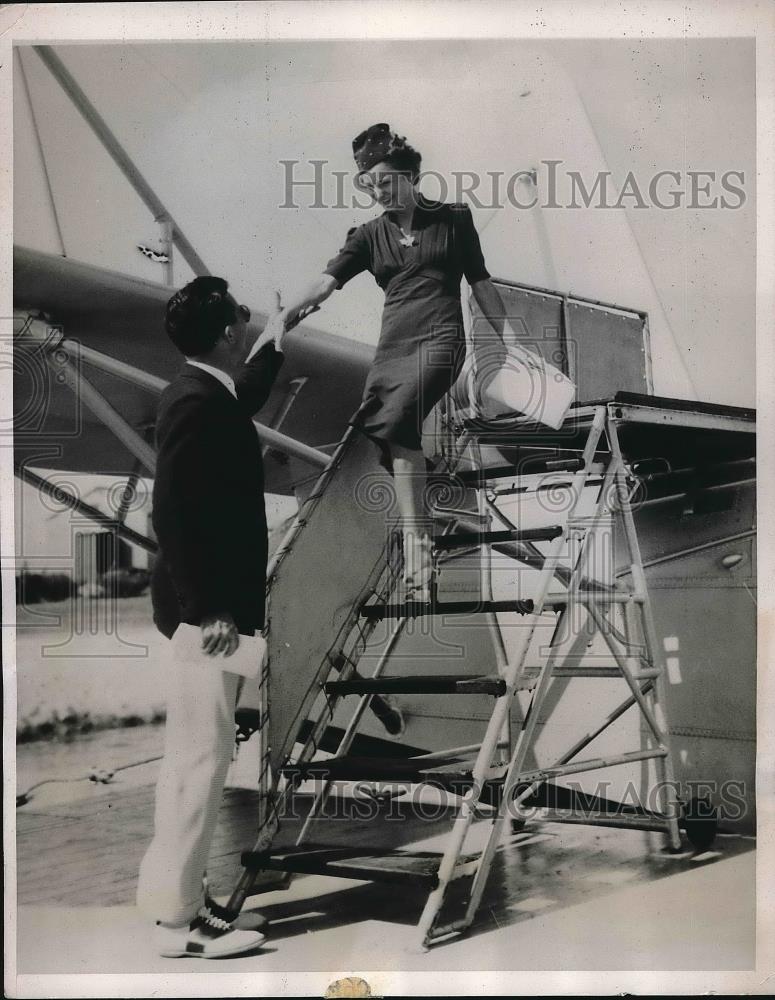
column 490, row 302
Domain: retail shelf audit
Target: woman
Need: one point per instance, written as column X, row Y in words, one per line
column 417, row 250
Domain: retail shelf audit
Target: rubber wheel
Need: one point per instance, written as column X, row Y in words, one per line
column 700, row 823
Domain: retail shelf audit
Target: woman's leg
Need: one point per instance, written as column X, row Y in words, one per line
column 409, row 478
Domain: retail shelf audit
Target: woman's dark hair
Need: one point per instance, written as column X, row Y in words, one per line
column 198, row 314
column 406, row 159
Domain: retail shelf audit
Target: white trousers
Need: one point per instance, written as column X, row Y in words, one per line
column 198, row 747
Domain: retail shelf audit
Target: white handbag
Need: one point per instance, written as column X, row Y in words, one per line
column 510, row 379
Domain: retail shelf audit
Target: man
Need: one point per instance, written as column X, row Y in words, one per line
column 210, row 522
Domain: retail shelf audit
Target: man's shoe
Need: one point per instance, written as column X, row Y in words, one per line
column 207, row 936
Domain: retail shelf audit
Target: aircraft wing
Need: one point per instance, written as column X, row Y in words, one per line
column 122, row 317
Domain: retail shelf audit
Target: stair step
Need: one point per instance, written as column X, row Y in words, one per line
column 512, row 422
column 412, row 770
column 362, row 744
column 512, row 432
column 474, row 606
column 527, row 467
column 421, row 684
column 369, row 864
column 411, row 609
column 463, row 538
column 597, row 594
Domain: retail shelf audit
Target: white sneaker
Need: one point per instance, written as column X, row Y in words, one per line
column 208, row 936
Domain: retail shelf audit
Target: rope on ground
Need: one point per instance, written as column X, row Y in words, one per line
column 98, row 776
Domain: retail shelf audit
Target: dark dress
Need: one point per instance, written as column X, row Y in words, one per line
column 421, row 347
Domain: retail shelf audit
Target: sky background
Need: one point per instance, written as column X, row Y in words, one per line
column 208, row 125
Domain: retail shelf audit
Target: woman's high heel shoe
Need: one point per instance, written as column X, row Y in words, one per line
column 418, row 568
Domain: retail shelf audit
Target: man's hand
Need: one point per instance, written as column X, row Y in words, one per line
column 273, row 332
column 275, row 328
column 219, row 634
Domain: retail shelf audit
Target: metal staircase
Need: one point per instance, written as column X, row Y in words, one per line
column 493, row 776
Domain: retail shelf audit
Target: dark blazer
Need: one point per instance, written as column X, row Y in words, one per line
column 208, row 498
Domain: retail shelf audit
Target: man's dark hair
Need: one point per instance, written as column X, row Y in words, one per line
column 198, row 314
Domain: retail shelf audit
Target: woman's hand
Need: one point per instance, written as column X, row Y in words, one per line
column 308, row 301
column 291, row 319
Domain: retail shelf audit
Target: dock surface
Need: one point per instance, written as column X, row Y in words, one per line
column 559, row 896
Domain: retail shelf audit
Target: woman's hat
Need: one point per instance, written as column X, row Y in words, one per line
column 374, row 144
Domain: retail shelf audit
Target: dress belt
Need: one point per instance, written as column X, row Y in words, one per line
column 427, row 272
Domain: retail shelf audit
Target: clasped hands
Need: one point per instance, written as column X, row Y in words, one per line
column 277, row 325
